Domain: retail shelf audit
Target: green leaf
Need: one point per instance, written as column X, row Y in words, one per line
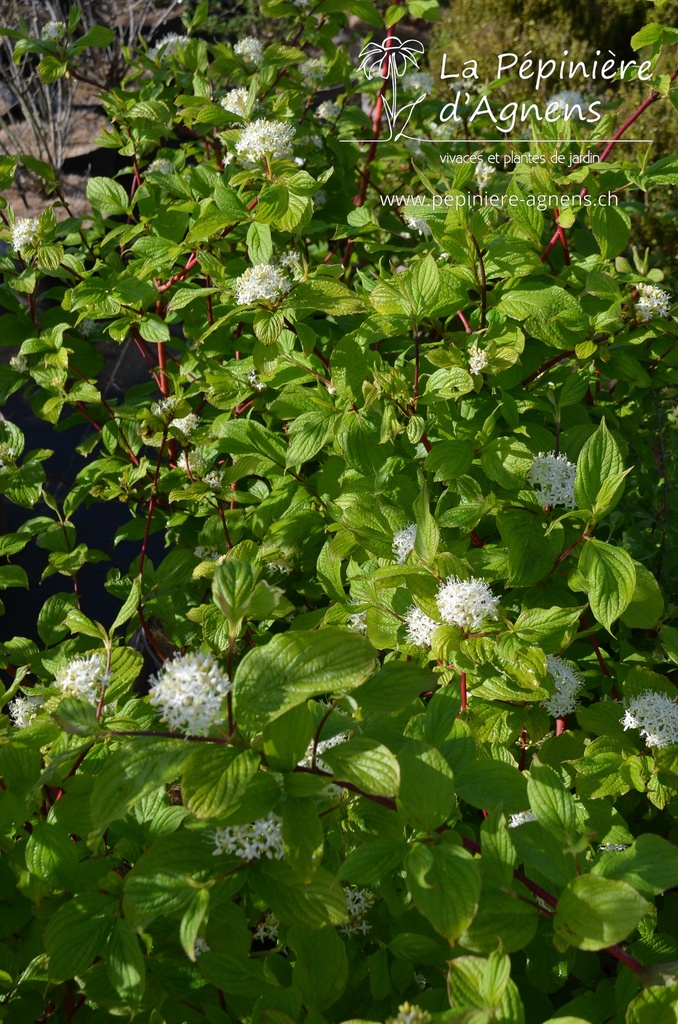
column 426, row 542
column 485, row 783
column 426, row 798
column 647, row 603
column 50, row 854
column 77, row 932
column 313, row 905
column 595, row 912
column 107, row 196
column 132, row 772
column 650, row 865
column 548, row 312
column 125, row 963
column 294, row 666
column 598, row 460
column 192, row 919
column 611, row 576
column 320, row 970
column 367, row 764
column 553, row 805
column 532, row 549
column 445, row 884
column 286, row 739
column 307, row 434
column 611, row 228
column 448, row 460
column 215, row 777
column 372, row 861
column 303, row 837
column 655, row 1005
column 421, row 284
column 507, row 462
column 394, row 686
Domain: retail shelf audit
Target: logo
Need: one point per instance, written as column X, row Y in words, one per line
column 390, row 60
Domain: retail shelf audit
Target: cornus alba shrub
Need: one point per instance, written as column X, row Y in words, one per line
column 399, row 506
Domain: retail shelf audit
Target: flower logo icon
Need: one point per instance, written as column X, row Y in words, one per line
column 390, row 60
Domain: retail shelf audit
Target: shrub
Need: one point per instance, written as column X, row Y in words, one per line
column 399, row 498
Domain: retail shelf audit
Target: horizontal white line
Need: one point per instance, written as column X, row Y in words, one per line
column 437, row 142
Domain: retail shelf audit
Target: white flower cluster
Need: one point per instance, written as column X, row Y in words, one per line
column 161, row 165
column 200, row 947
column 465, row 603
column 235, row 101
column 164, row 409
column 324, row 745
column 250, row 49
column 87, row 327
column 319, row 198
column 83, row 677
column 265, row 138
column 281, row 567
column 420, row 81
column 189, row 690
column 267, row 930
column 614, row 847
column 263, row 282
column 516, row 820
column 206, row 554
column 409, row 1014
column 254, row 382
column 290, row 260
column 313, row 70
column 357, row 622
column 420, row 980
column 358, row 902
column 24, row 708
column 168, row 46
column 418, row 224
column 199, row 461
column 19, row 363
column 484, row 173
column 328, row 110
column 477, row 359
column 7, row 454
column 652, row 302
column 261, row 838
column 214, row 479
column 420, row 628
column 24, row 233
column 53, row 31
column 655, row 716
column 569, row 98
column 554, row 476
column 568, row 682
column 187, row 424
column 403, row 542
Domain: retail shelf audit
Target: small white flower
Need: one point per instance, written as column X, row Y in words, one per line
column 417, row 224
column 267, row 929
column 236, row 101
column 358, row 902
column 262, row 282
column 254, row 382
column 198, row 461
column 161, row 166
column 262, row 837
column 265, row 138
column 250, row 49
column 187, row 424
column 319, row 198
column 7, row 454
column 53, row 31
column 655, row 716
column 477, row 359
column 418, row 81
column 19, row 363
column 466, row 603
column 328, row 110
column 567, row 99
column 83, row 677
column 357, row 622
column 409, row 1014
column 614, row 847
column 24, row 708
column 331, row 390
column 290, row 260
column 214, row 479
column 521, row 819
column 164, row 409
column 484, row 173
column 281, row 567
column 554, row 476
column 420, row 980
column 200, row 947
column 24, row 233
column 313, row 70
column 87, row 327
column 168, row 46
column 403, row 542
column 324, row 745
column 189, row 690
column 568, row 685
column 206, row 554
column 420, row 628
column 652, row 302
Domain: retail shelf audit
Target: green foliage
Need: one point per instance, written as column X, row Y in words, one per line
column 394, row 508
